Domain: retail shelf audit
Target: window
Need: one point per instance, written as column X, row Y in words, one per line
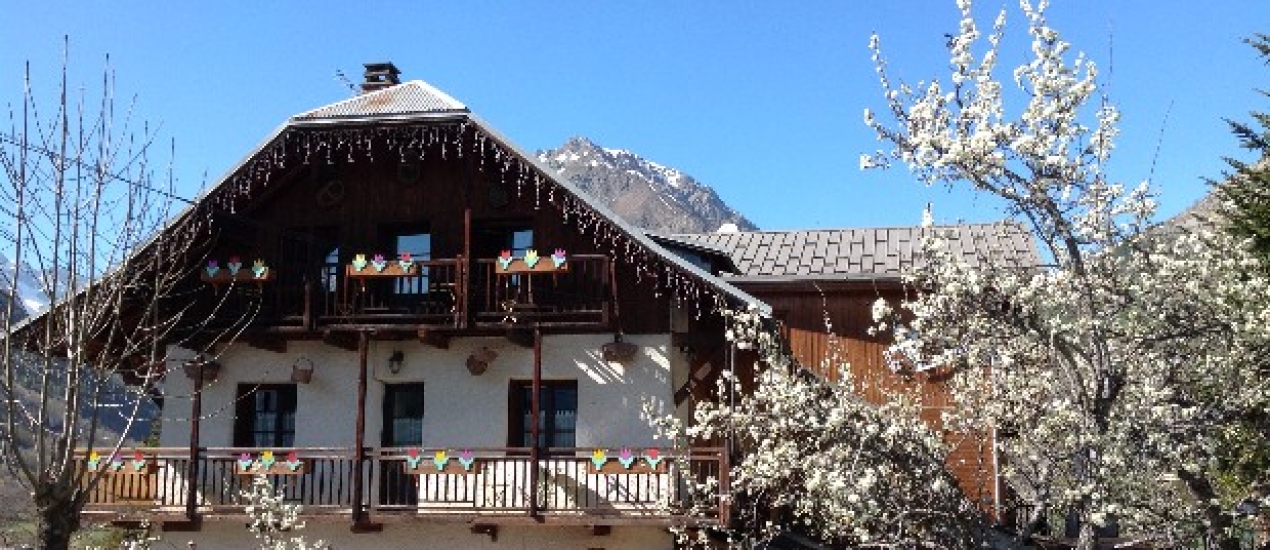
column 557, row 408
column 265, row 415
column 419, row 245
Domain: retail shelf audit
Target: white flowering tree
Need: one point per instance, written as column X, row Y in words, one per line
column 818, row 461
column 1114, row 371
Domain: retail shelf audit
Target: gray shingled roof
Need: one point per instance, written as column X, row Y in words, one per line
column 863, row 252
column 407, row 98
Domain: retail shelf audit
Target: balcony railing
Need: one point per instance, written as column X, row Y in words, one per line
column 441, row 293
column 497, row 482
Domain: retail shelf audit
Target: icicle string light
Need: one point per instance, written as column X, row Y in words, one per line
column 353, row 144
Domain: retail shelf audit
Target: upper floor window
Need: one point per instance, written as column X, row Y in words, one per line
column 265, row 415
column 419, row 245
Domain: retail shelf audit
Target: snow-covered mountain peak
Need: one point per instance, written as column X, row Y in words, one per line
column 645, row 193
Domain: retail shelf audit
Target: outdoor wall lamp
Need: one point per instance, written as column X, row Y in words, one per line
column 395, row 360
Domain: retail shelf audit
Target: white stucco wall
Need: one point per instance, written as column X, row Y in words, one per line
column 229, row 535
column 460, row 410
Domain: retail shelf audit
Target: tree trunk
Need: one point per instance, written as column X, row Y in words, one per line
column 1216, row 521
column 1088, row 539
column 58, row 517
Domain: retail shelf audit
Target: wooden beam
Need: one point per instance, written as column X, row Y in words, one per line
column 267, row 342
column 359, row 429
column 523, row 337
column 435, row 338
column 343, row 340
column 191, row 469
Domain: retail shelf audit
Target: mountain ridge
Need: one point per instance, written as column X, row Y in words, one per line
column 642, row 192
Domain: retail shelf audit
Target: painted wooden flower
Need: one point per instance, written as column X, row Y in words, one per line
column 244, row 461
column 653, row 457
column 93, row 460
column 235, row 263
column 404, row 261
column 439, row 459
column 267, row 459
column 259, row 269
column 138, row 461
column 598, row 458
column 505, row 259
column 378, row 262
column 293, row 461
column 359, row 262
column 115, row 463
column 213, row 267
column 626, row 457
column 558, row 258
column 531, row 258
column 466, row 459
column 412, row 458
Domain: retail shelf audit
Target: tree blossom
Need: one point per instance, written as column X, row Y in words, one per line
column 1113, row 371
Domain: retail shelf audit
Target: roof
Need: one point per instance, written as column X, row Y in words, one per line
column 418, row 101
column 415, row 97
column 863, row 252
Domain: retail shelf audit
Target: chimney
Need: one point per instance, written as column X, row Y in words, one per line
column 380, row 76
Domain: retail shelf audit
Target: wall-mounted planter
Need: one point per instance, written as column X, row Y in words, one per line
column 268, row 464
column 116, row 465
column 440, row 462
column 650, row 461
column 392, row 268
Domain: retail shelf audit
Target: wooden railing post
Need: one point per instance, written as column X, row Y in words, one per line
column 725, row 486
column 361, row 522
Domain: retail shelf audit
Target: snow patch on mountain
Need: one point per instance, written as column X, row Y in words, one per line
column 645, row 193
column 32, row 297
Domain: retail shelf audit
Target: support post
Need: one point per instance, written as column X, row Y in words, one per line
column 465, row 270
column 191, row 468
column 359, row 443
column 536, row 430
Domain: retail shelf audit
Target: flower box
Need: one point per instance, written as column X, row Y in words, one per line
column 647, row 462
column 391, row 269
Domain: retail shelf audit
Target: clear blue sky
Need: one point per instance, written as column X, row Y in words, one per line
column 761, row 100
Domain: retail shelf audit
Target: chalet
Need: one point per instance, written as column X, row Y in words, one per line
column 426, row 338
column 420, row 334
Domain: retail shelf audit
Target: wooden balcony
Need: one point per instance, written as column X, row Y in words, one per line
column 496, row 485
column 443, row 293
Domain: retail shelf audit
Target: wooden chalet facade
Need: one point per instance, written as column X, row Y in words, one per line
column 386, row 295
column 821, row 286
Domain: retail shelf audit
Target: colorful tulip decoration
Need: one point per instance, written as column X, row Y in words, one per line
column 359, row 262
column 213, row 267
column 466, row 459
column 94, row 460
column 626, row 457
column 378, row 263
column 405, row 262
column 505, row 259
column 115, row 463
column 653, row 457
column 234, row 265
column 267, row 460
column 598, row 458
column 558, row 258
column 439, row 459
column 138, row 461
column 531, row 258
column 259, row 269
column 245, row 461
column 412, row 458
column 293, row 461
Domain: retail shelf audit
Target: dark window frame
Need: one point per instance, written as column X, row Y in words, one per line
column 247, row 415
column 518, row 406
